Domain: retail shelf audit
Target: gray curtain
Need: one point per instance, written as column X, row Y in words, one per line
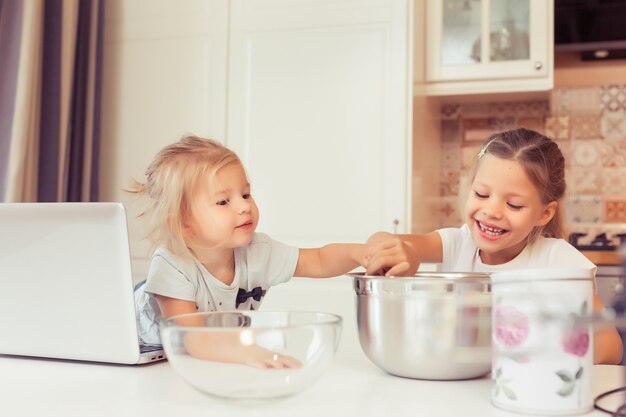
column 50, row 77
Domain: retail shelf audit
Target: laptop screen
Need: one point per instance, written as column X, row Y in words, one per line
column 66, row 287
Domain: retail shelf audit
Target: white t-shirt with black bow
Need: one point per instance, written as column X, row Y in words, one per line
column 259, row 265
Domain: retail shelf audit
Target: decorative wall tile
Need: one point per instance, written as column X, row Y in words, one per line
column 502, row 108
column 566, row 150
column 585, row 153
column 451, row 130
column 532, row 108
column 521, row 108
column 614, row 184
column 584, row 209
column 450, row 212
column 533, row 123
column 468, row 156
column 585, row 100
column 589, row 125
column 476, row 130
column 585, row 126
column 615, row 211
column 557, row 127
column 449, row 184
column 500, row 124
column 584, row 181
column 537, row 108
column 613, row 125
column 465, row 184
column 450, row 156
column 560, row 100
column 613, row 97
column 428, row 210
column 612, row 154
column 475, row 110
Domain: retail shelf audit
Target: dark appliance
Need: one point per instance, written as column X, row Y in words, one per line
column 596, row 28
column 605, row 252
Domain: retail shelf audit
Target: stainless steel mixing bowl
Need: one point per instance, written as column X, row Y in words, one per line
column 432, row 325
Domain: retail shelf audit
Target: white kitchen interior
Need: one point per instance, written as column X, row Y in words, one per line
column 337, row 110
column 314, row 96
column 334, row 106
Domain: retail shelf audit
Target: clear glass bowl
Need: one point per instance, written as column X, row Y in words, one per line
column 252, row 354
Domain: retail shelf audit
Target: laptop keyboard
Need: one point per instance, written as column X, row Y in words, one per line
column 149, row 348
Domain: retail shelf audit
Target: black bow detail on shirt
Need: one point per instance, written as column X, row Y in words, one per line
column 243, row 295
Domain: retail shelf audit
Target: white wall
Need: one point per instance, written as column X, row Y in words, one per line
column 166, row 75
column 163, row 77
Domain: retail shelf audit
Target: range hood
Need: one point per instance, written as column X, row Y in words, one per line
column 596, row 28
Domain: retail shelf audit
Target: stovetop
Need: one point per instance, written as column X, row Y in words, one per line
column 601, row 242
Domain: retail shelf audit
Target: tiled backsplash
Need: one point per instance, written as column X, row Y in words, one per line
column 589, row 125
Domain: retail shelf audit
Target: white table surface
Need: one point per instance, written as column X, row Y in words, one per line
column 351, row 386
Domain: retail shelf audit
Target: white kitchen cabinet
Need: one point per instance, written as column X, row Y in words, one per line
column 319, row 105
column 164, row 75
column 314, row 95
column 485, row 46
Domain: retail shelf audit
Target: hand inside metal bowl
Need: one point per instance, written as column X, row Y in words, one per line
column 426, row 326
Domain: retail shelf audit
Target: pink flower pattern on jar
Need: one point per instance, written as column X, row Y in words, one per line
column 576, row 342
column 511, row 326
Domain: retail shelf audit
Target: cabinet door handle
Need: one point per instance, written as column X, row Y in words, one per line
column 396, row 222
column 538, row 65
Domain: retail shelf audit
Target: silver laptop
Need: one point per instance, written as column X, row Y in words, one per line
column 66, row 287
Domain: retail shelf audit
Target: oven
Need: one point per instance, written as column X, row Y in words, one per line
column 610, row 283
column 608, row 255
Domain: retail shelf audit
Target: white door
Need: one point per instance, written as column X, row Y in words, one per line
column 164, row 76
column 318, row 109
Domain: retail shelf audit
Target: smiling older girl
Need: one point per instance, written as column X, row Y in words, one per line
column 512, row 221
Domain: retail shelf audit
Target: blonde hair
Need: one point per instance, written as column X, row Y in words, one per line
column 170, row 182
column 544, row 164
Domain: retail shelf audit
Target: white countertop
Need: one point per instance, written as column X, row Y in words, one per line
column 350, row 387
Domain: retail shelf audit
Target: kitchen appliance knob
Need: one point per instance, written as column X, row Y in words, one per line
column 573, row 238
column 601, row 240
column 621, row 237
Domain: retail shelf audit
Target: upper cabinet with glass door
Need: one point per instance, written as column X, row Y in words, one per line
column 486, row 46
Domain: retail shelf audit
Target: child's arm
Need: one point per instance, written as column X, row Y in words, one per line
column 402, row 254
column 607, row 345
column 339, row 258
column 173, row 306
column 222, row 347
column 330, row 260
column 229, row 348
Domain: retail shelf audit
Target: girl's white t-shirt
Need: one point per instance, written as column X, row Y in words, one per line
column 259, row 265
column 460, row 254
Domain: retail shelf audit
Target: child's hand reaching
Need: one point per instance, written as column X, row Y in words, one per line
column 389, row 255
column 228, row 348
column 261, row 358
